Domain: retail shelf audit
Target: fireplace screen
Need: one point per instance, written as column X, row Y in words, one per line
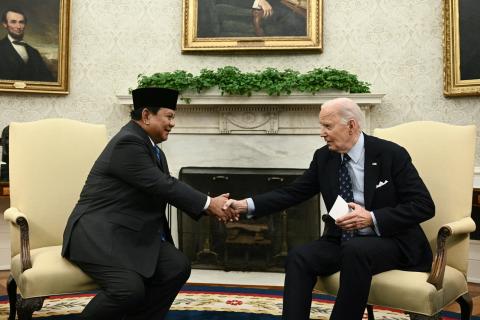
column 249, row 244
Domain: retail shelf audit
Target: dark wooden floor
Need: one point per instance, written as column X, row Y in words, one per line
column 474, row 289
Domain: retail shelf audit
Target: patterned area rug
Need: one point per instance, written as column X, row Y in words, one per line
column 212, row 302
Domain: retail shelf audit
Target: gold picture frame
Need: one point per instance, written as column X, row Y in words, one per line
column 461, row 48
column 43, row 65
column 246, row 26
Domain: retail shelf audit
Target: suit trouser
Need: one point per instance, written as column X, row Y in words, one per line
column 125, row 294
column 357, row 259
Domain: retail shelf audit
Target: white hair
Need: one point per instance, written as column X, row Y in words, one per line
column 347, row 110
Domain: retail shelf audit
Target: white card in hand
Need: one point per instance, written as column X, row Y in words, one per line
column 339, row 208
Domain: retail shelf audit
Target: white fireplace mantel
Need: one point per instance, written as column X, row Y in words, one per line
column 212, row 113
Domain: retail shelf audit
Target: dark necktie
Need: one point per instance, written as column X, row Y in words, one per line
column 161, row 158
column 345, row 190
column 22, row 43
column 156, row 150
column 163, row 162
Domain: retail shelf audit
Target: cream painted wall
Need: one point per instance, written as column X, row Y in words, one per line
column 394, row 45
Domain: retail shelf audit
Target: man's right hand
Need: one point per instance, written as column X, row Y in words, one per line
column 216, row 209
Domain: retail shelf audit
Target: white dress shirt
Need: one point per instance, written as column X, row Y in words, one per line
column 356, row 169
column 21, row 50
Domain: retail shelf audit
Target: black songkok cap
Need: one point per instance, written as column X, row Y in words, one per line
column 154, row 97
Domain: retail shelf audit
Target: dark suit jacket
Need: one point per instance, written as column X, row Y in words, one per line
column 120, row 217
column 399, row 206
column 12, row 66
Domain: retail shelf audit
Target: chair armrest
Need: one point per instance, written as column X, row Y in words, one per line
column 460, row 227
column 17, row 218
column 12, row 214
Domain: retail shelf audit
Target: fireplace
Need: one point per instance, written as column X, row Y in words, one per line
column 238, row 133
column 249, row 244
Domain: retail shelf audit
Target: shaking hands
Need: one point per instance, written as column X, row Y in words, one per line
column 218, row 209
column 237, row 207
column 225, row 209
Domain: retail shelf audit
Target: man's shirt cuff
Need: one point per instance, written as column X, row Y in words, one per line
column 250, row 208
column 375, row 226
column 207, row 204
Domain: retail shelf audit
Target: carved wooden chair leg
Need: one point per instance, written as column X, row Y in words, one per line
column 370, row 312
column 12, row 296
column 26, row 307
column 466, row 306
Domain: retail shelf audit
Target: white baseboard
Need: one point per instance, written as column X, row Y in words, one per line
column 5, row 267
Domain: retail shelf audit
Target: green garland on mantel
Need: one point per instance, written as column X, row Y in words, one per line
column 230, row 80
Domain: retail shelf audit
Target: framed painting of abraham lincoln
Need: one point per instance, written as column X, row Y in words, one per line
column 34, row 46
column 252, row 25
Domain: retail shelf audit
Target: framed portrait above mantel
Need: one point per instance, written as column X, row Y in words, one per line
column 252, row 25
column 461, row 47
column 34, row 46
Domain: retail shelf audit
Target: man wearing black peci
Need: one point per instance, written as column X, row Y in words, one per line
column 118, row 233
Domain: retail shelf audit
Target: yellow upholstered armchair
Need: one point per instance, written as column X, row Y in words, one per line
column 49, row 163
column 444, row 157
